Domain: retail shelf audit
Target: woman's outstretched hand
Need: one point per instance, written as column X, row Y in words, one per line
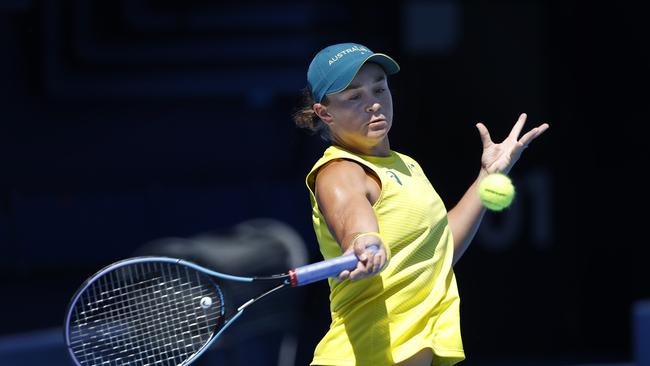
column 500, row 158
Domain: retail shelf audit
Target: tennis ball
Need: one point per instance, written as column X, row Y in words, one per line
column 496, row 191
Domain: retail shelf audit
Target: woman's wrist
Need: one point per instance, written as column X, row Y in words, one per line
column 482, row 173
column 358, row 236
column 366, row 238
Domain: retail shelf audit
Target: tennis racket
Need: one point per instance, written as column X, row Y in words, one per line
column 165, row 311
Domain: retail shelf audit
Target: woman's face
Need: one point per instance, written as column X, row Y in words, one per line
column 362, row 114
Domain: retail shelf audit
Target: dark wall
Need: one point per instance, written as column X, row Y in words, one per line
column 128, row 121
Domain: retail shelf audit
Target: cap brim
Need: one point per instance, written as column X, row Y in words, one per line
column 389, row 65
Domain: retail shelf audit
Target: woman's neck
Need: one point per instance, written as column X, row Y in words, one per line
column 381, row 149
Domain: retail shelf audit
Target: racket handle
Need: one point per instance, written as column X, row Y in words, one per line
column 329, row 268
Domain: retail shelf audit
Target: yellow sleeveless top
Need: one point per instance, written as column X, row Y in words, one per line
column 413, row 303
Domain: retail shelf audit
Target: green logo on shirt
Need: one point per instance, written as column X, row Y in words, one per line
column 394, row 176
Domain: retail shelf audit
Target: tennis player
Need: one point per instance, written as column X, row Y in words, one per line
column 406, row 311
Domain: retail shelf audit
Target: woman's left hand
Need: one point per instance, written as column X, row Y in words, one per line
column 500, row 158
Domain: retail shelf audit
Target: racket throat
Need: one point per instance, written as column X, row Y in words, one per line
column 270, row 291
column 244, row 305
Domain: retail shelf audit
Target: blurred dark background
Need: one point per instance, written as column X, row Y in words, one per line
column 123, row 122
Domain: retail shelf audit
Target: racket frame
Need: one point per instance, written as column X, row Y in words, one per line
column 154, row 259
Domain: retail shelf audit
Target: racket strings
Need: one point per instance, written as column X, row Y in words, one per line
column 128, row 303
column 145, row 313
column 108, row 330
column 146, row 333
column 144, row 328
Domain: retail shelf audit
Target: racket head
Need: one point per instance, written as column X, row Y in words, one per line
column 144, row 310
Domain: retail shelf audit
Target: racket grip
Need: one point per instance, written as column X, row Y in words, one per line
column 329, row 268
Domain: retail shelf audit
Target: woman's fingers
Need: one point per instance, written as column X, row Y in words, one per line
column 358, row 273
column 532, row 134
column 373, row 264
column 519, row 125
column 485, row 135
column 343, row 276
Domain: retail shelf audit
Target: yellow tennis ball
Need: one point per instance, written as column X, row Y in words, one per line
column 496, row 191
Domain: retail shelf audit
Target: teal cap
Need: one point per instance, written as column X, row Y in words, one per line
column 334, row 67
